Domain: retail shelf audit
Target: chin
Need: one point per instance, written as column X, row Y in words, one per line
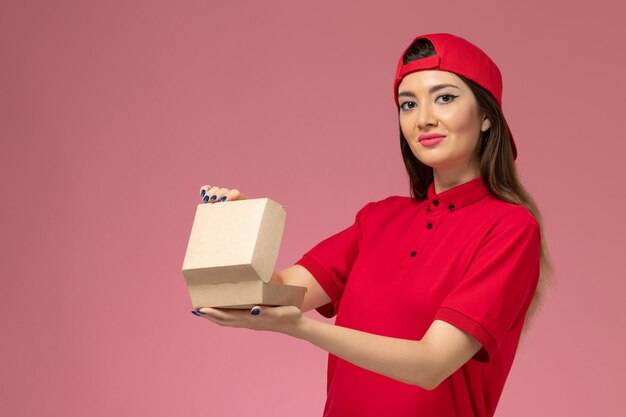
column 433, row 161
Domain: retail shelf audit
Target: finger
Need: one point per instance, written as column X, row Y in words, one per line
column 203, row 190
column 228, row 195
column 217, row 196
column 233, row 194
column 217, row 321
column 228, row 317
column 209, row 193
column 206, row 316
column 225, row 314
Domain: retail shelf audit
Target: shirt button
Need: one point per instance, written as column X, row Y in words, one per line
column 451, row 207
column 436, row 202
column 413, row 254
column 429, row 225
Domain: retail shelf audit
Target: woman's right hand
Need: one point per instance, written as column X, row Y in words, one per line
column 215, row 194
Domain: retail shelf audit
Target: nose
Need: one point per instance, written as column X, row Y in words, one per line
column 425, row 117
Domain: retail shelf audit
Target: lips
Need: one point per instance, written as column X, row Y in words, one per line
column 430, row 136
column 430, row 140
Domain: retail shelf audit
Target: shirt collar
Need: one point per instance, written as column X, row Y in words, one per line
column 458, row 196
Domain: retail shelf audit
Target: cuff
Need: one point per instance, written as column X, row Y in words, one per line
column 326, row 281
column 472, row 327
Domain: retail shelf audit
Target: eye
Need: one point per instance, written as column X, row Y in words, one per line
column 403, row 106
column 452, row 97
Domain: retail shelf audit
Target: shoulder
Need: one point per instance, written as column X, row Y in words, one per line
column 509, row 218
column 511, row 213
column 382, row 210
column 390, row 206
column 393, row 202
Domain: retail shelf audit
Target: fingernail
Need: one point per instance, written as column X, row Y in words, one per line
column 206, row 198
column 213, row 197
column 195, row 312
column 223, row 198
column 201, row 312
column 202, row 193
column 255, row 311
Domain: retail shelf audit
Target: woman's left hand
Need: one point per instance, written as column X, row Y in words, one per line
column 283, row 319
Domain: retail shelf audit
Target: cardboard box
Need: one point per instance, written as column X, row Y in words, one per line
column 231, row 254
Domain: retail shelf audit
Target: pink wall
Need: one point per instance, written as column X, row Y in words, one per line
column 114, row 113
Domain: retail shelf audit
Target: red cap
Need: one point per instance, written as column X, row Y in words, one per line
column 455, row 54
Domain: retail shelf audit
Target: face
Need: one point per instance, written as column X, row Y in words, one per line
column 427, row 107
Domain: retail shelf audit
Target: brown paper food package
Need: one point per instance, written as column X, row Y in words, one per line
column 231, row 254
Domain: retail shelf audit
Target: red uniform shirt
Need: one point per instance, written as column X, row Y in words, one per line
column 461, row 256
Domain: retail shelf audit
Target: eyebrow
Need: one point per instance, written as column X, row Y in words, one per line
column 432, row 90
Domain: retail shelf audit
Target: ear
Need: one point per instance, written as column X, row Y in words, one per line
column 486, row 124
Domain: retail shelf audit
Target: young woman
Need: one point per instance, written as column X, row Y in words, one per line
column 432, row 291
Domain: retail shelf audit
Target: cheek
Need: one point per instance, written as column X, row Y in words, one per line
column 457, row 121
column 404, row 126
column 461, row 120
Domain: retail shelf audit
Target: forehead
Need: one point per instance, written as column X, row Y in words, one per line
column 424, row 79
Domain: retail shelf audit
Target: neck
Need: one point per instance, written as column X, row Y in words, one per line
column 446, row 178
